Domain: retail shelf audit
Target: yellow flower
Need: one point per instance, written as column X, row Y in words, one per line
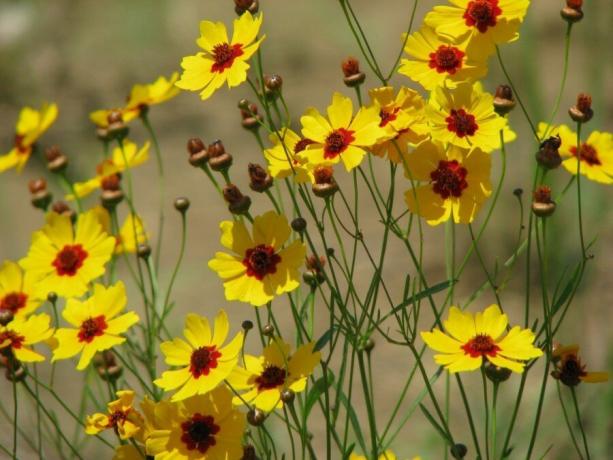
column 344, row 137
column 143, row 96
column 131, row 234
column 101, row 117
column 402, row 117
column 596, row 152
column 484, row 22
column 570, row 371
column 131, row 157
column 283, row 159
column 222, row 60
column 127, row 452
column 97, row 325
column 465, row 117
column 387, row 455
column 472, row 338
column 64, row 260
column 203, row 427
column 204, row 360
column 21, row 332
column 264, row 378
column 31, row 125
column 121, row 417
column 260, row 268
column 437, row 62
column 19, row 293
column 459, row 182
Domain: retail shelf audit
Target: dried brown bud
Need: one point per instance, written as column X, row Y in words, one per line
column 582, row 111
column 542, row 204
column 41, row 197
column 15, row 371
column 246, row 5
column 273, row 82
column 325, row 185
column 237, row 202
column 56, row 160
column 352, row 73
column 251, row 120
column 219, row 159
column 112, row 182
column 198, row 153
column 259, row 179
column 314, row 276
column 61, row 207
column 117, row 129
column 503, row 100
column 256, row 417
column 114, row 117
column 111, row 194
column 315, row 263
column 548, row 155
column 37, row 186
column 572, row 12
column 249, row 453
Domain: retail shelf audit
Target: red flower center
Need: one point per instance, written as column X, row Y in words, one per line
column 446, row 58
column 261, row 261
column 570, row 370
column 302, row 144
column 116, row 418
column 199, row 432
column 387, row 116
column 587, row 153
column 482, row 14
column 272, row 377
column 16, row 339
column 21, row 149
column 69, row 259
column 13, row 302
column 224, row 55
column 461, row 123
column 337, row 142
column 449, row 179
column 203, row 360
column 481, row 345
column 91, row 328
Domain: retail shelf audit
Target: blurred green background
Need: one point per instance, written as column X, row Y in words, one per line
column 87, row 54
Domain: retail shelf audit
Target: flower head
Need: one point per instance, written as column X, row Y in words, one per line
column 21, row 333
column 260, row 268
column 222, row 60
column 63, row 259
column 96, row 326
column 284, row 159
column 131, row 234
column 473, row 338
column 570, row 371
column 458, row 182
column 204, row 359
column 120, row 417
column 264, row 378
column 100, row 117
column 31, row 125
column 19, row 294
column 341, row 137
column 161, row 90
column 202, row 427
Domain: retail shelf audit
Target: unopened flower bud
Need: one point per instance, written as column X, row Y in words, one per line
column 299, row 224
column 287, row 396
column 237, row 202
column 56, row 160
column 219, row 159
column 548, row 155
column 268, row 330
column 518, row 192
column 325, row 185
column 246, row 5
column 143, row 251
column 247, row 325
column 110, row 373
column 198, row 154
column 15, row 372
column 273, row 82
column 6, row 316
column 572, row 12
column 182, row 204
column 40, row 196
column 367, row 345
column 313, row 275
column 256, row 417
column 459, row 451
column 52, row 297
column 259, row 179
column 503, row 100
column 351, row 71
column 117, row 129
column 542, row 204
column 111, row 194
column 582, row 111
column 61, row 207
column 497, row 374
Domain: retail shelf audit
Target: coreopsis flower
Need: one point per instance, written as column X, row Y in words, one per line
column 127, row 452
column 402, row 117
column 570, row 371
column 434, row 61
column 484, row 22
column 96, row 324
column 472, row 338
column 283, row 159
column 121, row 417
column 596, row 153
column 203, row 427
column 19, row 293
column 100, row 117
column 341, row 137
column 132, row 232
column 222, row 60
column 63, row 259
column 31, row 125
column 458, row 182
column 265, row 378
column 20, row 334
column 130, row 157
column 143, row 96
column 261, row 267
column 387, row 455
column 204, row 359
column 465, row 117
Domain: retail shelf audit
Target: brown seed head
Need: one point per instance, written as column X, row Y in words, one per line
column 219, row 159
column 237, row 202
column 259, row 179
column 111, row 183
column 574, row 4
column 61, row 207
column 350, row 67
column 314, row 263
column 37, row 186
column 114, row 117
column 542, row 194
column 542, row 204
column 53, row 153
column 503, row 100
column 582, row 111
column 584, row 102
column 323, row 174
column 548, row 155
column 273, row 82
column 246, row 5
column 198, row 153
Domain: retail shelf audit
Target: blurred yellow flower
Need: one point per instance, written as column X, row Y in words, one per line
column 132, row 232
column 20, row 333
column 569, row 370
column 284, row 159
column 222, row 60
column 387, row 455
column 161, row 90
column 19, row 294
column 121, row 417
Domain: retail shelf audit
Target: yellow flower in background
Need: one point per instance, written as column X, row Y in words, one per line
column 387, row 455
column 222, row 60
column 161, row 90
column 263, row 378
column 119, row 161
column 484, row 22
column 596, row 153
column 458, row 182
column 434, row 61
column 570, row 370
column 284, row 159
column 100, row 118
column 473, row 338
column 344, row 137
column 260, row 268
column 465, row 117
column 204, row 360
column 131, row 234
column 96, row 324
column 121, row 417
column 19, row 293
column 402, row 117
column 31, row 125
column 203, row 427
column 127, row 452
column 65, row 260
column 21, row 333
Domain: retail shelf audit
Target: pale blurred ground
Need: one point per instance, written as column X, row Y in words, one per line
column 87, row 54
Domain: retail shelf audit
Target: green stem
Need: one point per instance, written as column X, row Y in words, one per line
column 578, row 414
